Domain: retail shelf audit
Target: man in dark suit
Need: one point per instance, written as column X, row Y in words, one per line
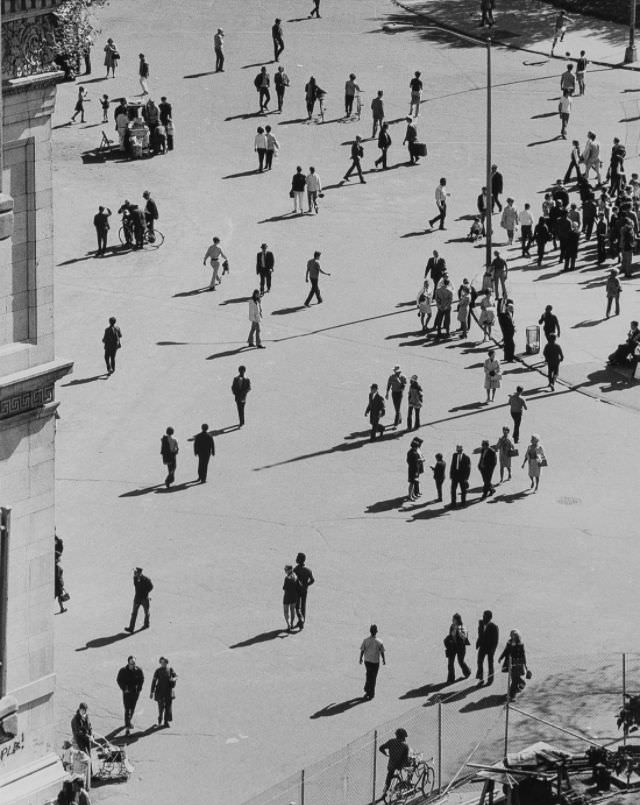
column 375, row 411
column 204, row 448
column 497, row 185
column 166, row 110
column 112, row 343
column 436, row 267
column 265, row 263
column 487, row 643
column 130, row 680
column 240, row 387
column 486, row 465
column 459, row 472
column 142, row 586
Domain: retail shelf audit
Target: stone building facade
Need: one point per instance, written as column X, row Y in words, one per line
column 30, row 771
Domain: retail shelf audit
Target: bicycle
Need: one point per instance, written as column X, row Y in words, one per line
column 151, row 241
column 418, row 778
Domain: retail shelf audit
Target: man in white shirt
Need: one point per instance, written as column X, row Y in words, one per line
column 526, row 229
column 564, row 108
column 441, row 203
column 371, row 651
column 314, row 188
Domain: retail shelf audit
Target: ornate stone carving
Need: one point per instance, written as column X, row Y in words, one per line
column 28, row 46
column 26, row 401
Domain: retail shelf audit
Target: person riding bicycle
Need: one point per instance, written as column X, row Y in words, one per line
column 397, row 750
column 127, row 222
column 138, row 224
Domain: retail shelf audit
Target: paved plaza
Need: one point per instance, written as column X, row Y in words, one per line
column 302, row 474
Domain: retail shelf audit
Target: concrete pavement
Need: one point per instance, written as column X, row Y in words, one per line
column 302, row 475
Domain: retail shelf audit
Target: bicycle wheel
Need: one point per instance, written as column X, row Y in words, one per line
column 121, row 236
column 396, row 791
column 427, row 779
column 157, row 241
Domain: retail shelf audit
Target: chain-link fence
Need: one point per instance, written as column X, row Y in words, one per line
column 571, row 704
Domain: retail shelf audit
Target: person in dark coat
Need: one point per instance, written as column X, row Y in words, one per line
column 357, row 152
column 487, row 465
column 112, row 342
column 439, row 470
column 163, row 691
column 169, row 452
column 138, row 224
column 375, row 411
column 459, row 472
column 240, row 387
column 166, row 110
column 505, row 320
column 204, row 448
column 552, row 354
column 101, row 223
column 81, row 728
column 455, row 647
column 571, row 248
column 497, row 186
column 142, row 586
column 130, row 680
column 487, row 643
column 415, row 465
column 305, row 580
column 265, row 263
column 515, row 662
column 384, row 141
column 291, row 587
column 58, row 587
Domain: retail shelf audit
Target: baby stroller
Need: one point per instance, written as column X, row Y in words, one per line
column 108, row 761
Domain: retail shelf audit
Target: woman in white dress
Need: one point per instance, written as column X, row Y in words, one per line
column 536, row 458
column 492, row 375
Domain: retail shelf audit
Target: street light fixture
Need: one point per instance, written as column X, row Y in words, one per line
column 489, row 198
column 630, row 53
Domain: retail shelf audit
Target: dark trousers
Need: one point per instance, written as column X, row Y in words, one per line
column 610, row 300
column 262, row 152
column 455, row 483
column 348, row 104
column 451, row 658
column 102, row 240
column 602, row 249
column 265, row 279
column 219, row 60
column 439, row 489
column 203, row 466
column 517, row 419
column 265, row 97
column 487, row 17
column 573, row 166
column 355, row 166
column 280, row 96
column 316, row 9
column 171, row 471
column 129, row 700
column 527, row 237
column 269, row 159
column 110, row 359
column 443, row 319
column 587, row 228
column 509, row 346
column 552, row 373
column 371, row 670
column 487, row 488
column 411, row 410
column 496, row 201
column 569, row 261
column 383, row 157
column 412, row 155
column 396, row 396
column 240, row 406
column 442, row 214
column 165, row 710
column 541, row 245
column 301, row 606
column 489, row 654
column 278, row 47
column 137, row 603
column 563, row 249
column 315, row 290
column 376, row 427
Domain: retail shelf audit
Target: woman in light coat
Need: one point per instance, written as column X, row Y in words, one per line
column 492, row 375
column 255, row 317
column 535, row 458
column 111, row 57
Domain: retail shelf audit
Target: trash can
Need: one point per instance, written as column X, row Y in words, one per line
column 533, row 340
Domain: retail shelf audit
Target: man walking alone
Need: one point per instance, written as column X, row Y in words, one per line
column 111, row 340
column 371, row 652
column 142, row 586
column 240, row 387
column 204, row 448
column 312, row 276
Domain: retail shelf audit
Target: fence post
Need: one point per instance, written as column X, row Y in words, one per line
column 375, row 767
column 439, row 747
column 506, row 711
column 302, row 787
column 624, row 694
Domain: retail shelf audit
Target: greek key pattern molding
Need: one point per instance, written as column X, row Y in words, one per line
column 26, row 401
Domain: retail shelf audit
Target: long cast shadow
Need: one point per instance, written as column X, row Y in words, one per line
column 241, row 174
column 236, row 300
column 200, row 75
column 194, row 292
column 286, row 216
column 494, row 700
column 100, row 642
column 228, row 352
column 512, row 497
column 385, row 505
column 425, row 690
column 284, row 311
column 134, row 493
column 292, row 121
column 245, row 116
column 335, row 709
column 441, row 698
column 82, row 380
column 263, row 637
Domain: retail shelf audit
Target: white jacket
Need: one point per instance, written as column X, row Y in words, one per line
column 255, row 311
column 314, row 185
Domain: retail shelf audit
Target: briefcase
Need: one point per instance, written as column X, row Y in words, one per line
column 420, row 149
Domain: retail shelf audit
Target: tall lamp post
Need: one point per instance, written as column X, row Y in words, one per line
column 489, row 198
column 630, row 52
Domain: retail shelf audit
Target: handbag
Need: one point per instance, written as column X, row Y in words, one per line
column 65, row 595
column 291, row 194
column 514, row 452
column 543, row 462
column 528, row 675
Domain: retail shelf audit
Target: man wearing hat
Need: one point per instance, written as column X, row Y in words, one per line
column 375, row 411
column 142, row 586
column 396, row 385
column 218, row 46
column 487, row 465
column 459, row 472
column 163, row 691
column 278, row 41
column 415, row 464
column 265, row 262
column 613, row 290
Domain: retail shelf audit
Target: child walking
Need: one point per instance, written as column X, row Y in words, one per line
column 439, row 471
column 105, row 108
column 79, row 107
